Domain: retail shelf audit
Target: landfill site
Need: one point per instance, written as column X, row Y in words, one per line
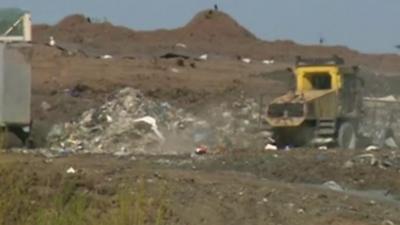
column 202, row 124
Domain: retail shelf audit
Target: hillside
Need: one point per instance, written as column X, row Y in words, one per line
column 208, row 31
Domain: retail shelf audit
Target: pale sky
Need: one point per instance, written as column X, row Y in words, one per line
column 366, row 25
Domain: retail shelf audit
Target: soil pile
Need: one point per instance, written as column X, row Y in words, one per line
column 209, row 31
column 208, row 25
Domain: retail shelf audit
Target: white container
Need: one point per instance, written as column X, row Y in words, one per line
column 15, row 84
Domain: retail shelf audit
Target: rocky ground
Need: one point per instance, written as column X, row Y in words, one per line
column 117, row 126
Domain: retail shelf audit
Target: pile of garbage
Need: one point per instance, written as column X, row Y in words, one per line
column 375, row 158
column 380, row 122
column 240, row 125
column 129, row 123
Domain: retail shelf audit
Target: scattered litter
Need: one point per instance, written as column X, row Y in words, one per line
column 300, row 211
column 370, row 158
column 106, row 57
column 48, row 160
column 372, row 202
column 45, row 106
column 51, row 42
column 332, row 185
column 268, row 62
column 389, row 98
column 270, row 147
column 152, row 122
column 71, row 170
column 181, row 45
column 323, row 147
column 203, row 57
column 201, row 150
column 109, row 119
column 371, row 148
column 121, row 153
column 175, row 70
column 246, row 60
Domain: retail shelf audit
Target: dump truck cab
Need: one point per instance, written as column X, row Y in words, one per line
column 322, row 109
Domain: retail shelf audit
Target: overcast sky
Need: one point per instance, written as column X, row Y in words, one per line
column 365, row 25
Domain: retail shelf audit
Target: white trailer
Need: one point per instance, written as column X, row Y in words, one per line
column 15, row 73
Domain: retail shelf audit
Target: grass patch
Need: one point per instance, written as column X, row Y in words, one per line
column 67, row 201
column 137, row 207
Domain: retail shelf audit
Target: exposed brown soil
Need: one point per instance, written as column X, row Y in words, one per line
column 208, row 32
column 261, row 188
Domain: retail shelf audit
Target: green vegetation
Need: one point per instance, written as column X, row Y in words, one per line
column 65, row 199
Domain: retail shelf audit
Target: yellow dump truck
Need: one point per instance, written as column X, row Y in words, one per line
column 324, row 109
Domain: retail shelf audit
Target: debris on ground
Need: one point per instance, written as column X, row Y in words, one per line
column 246, row 60
column 323, row 147
column 175, row 70
column 371, row 148
column 203, row 57
column 129, row 123
column 201, row 150
column 332, row 185
column 270, row 147
column 268, row 61
column 45, row 106
column 51, row 42
column 366, row 158
column 180, row 45
column 71, row 170
column 106, row 57
column 381, row 161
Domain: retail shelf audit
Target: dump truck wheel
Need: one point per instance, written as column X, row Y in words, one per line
column 347, row 138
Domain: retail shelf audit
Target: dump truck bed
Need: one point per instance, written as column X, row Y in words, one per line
column 380, row 115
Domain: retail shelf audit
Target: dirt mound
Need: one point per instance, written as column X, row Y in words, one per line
column 212, row 32
column 213, row 24
column 204, row 31
column 78, row 29
column 73, row 21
